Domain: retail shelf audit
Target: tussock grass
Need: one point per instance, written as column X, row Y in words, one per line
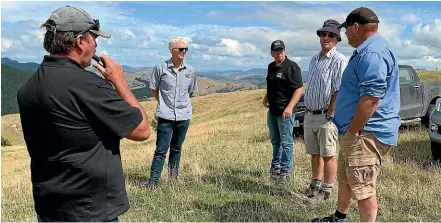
column 225, row 168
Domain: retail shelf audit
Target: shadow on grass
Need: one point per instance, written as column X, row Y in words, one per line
column 242, row 180
column 413, row 149
column 137, row 177
column 250, row 210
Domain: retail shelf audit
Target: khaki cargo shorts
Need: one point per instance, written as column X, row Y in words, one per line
column 359, row 163
column 320, row 135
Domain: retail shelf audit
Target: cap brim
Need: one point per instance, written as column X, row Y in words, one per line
column 342, row 25
column 278, row 48
column 100, row 33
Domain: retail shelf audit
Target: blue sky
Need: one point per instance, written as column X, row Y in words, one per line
column 225, row 35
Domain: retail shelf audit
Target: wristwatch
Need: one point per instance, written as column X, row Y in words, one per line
column 328, row 117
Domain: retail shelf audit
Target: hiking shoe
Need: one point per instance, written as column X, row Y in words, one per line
column 312, row 191
column 274, row 173
column 149, row 185
column 282, row 179
column 173, row 174
column 331, row 218
column 326, row 195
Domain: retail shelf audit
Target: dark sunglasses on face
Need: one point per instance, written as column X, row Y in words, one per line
column 182, row 49
column 324, row 34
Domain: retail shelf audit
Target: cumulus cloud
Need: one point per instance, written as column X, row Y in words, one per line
column 410, row 18
column 429, row 34
column 6, row 44
column 206, row 57
column 241, row 42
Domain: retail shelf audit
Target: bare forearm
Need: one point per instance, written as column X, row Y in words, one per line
column 155, row 94
column 295, row 98
column 332, row 104
column 364, row 111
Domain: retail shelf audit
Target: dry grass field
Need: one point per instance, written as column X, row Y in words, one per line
column 429, row 75
column 224, row 175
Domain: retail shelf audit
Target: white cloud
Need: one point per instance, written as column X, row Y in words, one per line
column 6, row 44
column 410, row 18
column 24, row 38
column 137, row 40
column 221, row 58
column 145, row 44
column 428, row 62
column 429, row 34
column 206, row 57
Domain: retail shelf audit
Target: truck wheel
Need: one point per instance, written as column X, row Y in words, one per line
column 436, row 151
column 426, row 119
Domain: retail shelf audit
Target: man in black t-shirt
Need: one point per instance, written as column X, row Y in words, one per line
column 73, row 121
column 284, row 88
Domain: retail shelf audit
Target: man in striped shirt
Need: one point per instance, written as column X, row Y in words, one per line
column 323, row 82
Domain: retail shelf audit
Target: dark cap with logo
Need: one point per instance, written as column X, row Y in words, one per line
column 73, row 19
column 360, row 15
column 331, row 26
column 277, row 45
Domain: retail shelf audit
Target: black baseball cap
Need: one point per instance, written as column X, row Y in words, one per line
column 360, row 15
column 277, row 45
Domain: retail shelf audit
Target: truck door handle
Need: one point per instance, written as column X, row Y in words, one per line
column 416, row 86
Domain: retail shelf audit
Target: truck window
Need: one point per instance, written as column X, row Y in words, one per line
column 405, row 76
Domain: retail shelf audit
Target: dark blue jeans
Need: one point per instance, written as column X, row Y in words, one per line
column 170, row 134
column 281, row 134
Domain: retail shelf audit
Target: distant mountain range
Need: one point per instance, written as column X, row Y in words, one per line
column 15, row 73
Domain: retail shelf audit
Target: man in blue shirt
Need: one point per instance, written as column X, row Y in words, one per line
column 366, row 115
column 173, row 83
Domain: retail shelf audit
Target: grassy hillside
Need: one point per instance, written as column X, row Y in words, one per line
column 225, row 165
column 12, row 80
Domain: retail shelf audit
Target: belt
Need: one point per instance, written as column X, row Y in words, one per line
column 318, row 112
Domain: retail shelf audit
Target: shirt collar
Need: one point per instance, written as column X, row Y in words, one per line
column 328, row 54
column 283, row 63
column 63, row 61
column 170, row 64
column 367, row 42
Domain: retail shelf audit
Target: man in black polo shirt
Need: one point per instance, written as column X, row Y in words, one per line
column 73, row 121
column 284, row 88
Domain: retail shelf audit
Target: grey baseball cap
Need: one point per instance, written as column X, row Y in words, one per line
column 73, row 19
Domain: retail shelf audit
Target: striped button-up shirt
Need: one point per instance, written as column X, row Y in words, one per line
column 323, row 79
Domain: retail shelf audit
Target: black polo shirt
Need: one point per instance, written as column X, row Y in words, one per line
column 72, row 122
column 282, row 81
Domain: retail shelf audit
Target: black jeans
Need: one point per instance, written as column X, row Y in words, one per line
column 171, row 134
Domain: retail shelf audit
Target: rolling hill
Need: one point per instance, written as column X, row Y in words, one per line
column 15, row 73
column 29, row 67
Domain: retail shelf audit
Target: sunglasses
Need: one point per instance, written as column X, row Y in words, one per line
column 182, row 49
column 348, row 24
column 324, row 34
column 95, row 26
